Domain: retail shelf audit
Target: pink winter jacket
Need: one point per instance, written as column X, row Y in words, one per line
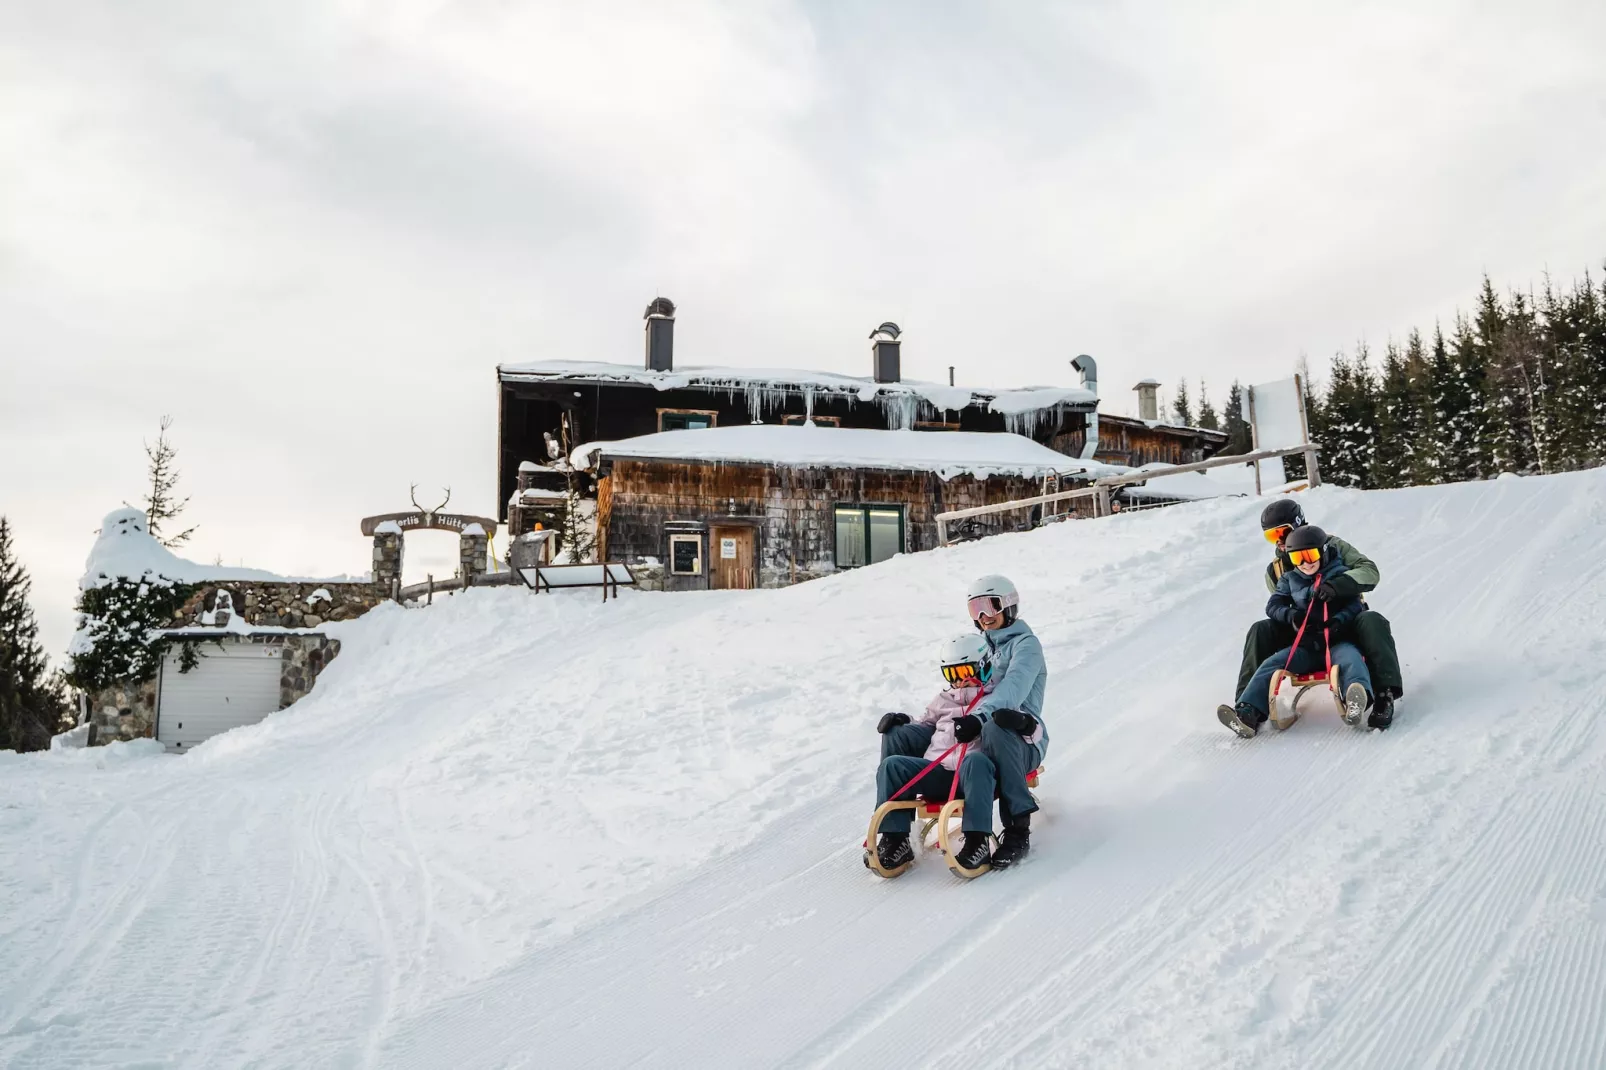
column 949, row 705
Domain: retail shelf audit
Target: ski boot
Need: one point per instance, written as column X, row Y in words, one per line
column 1382, row 711
column 1015, row 845
column 1243, row 719
column 1355, row 704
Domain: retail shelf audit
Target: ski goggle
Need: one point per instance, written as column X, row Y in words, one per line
column 1305, row 557
column 984, row 604
column 968, row 673
column 1278, row 534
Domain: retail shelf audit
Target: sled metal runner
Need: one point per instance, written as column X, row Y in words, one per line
column 936, row 816
column 1299, row 684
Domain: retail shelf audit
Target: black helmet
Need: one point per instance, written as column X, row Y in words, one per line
column 1309, row 537
column 1282, row 513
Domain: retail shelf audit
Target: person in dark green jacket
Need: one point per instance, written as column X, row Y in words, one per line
column 1371, row 632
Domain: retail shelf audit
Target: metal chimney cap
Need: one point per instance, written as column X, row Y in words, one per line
column 661, row 306
column 889, row 329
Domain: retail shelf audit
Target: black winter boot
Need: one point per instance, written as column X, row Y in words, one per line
column 1017, row 841
column 973, row 854
column 893, row 850
column 1243, row 719
column 1382, row 711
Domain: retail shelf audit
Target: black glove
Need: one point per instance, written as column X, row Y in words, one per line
column 1339, row 588
column 1016, row 721
column 967, row 728
column 1313, row 639
column 889, row 721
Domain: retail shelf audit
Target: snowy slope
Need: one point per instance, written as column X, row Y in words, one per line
column 521, row 831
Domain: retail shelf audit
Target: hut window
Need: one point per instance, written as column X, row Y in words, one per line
column 866, row 534
column 817, row 421
column 935, row 425
column 687, row 419
column 686, row 555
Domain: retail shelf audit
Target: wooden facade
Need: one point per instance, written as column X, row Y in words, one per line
column 1124, row 440
column 771, row 525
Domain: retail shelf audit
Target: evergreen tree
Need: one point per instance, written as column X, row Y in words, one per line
column 1426, row 457
column 33, row 706
column 1181, row 407
column 1237, row 428
column 1394, row 458
column 1207, row 411
column 162, row 503
column 1466, row 455
column 1515, row 401
column 1350, row 413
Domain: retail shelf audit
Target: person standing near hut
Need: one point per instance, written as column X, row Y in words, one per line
column 1009, row 718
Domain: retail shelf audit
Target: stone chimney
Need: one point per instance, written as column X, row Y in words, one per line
column 660, row 317
column 1148, row 399
column 886, row 359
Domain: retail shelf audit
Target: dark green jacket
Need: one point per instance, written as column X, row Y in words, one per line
column 1361, row 569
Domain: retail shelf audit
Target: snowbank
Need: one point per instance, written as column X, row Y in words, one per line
column 520, row 830
column 947, row 453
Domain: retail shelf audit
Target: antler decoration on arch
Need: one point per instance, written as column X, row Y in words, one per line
column 412, row 492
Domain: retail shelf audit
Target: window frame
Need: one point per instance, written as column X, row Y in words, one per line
column 864, row 509
column 696, row 539
column 712, row 414
column 936, row 425
column 794, row 420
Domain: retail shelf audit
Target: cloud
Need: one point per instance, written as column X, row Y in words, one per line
column 309, row 230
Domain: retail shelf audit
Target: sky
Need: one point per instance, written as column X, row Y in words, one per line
column 308, row 230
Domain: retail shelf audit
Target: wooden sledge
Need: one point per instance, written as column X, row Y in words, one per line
column 934, row 814
column 1300, row 683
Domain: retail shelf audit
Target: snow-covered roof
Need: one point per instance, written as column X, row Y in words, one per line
column 125, row 549
column 947, row 453
column 771, row 384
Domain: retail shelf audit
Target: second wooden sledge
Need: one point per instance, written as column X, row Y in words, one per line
column 1299, row 684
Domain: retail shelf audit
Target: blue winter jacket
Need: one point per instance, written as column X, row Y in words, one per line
column 1020, row 676
column 1294, row 594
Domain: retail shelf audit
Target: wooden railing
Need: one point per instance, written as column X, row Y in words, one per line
column 1100, row 489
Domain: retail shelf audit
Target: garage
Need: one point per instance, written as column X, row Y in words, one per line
column 234, row 684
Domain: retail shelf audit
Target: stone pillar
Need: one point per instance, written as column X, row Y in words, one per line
column 388, row 559
column 471, row 552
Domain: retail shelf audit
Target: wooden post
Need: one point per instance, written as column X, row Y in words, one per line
column 942, row 532
column 1103, row 500
column 430, row 600
column 1257, row 480
column 1312, row 471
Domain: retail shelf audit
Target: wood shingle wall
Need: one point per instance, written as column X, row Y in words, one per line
column 792, row 508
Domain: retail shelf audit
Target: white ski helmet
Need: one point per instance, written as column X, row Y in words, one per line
column 990, row 594
column 967, row 659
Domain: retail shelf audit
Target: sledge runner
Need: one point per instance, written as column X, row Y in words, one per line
column 1320, row 629
column 932, row 742
column 1370, row 631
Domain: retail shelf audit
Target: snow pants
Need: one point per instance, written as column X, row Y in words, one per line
column 1371, row 632
column 1347, row 656
column 997, row 763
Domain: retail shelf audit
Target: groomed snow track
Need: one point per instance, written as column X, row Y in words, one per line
column 543, row 832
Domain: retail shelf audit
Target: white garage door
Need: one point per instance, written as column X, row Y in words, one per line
column 235, row 684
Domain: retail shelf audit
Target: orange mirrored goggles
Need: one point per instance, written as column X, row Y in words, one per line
column 1278, row 534
column 962, row 674
column 1305, row 557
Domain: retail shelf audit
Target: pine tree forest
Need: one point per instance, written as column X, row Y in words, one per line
column 1518, row 385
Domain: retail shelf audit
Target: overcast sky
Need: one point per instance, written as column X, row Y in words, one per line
column 309, row 229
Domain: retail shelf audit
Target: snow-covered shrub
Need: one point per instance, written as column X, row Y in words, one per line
column 119, row 631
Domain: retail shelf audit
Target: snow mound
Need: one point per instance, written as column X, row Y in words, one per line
column 521, row 830
column 125, row 549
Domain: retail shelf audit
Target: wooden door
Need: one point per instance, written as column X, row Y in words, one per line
column 733, row 558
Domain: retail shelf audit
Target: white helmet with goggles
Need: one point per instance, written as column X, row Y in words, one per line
column 967, row 660
column 993, row 594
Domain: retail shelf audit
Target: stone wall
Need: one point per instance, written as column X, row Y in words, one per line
column 122, row 712
column 793, row 509
column 278, row 604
